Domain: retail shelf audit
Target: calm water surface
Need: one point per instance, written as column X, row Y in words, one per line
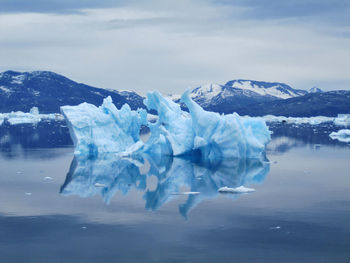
column 57, row 208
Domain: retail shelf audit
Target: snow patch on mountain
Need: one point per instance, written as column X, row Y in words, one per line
column 18, row 79
column 209, row 90
column 4, row 89
column 315, row 90
column 211, row 93
column 274, row 89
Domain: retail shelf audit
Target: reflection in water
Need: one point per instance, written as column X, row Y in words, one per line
column 110, row 173
column 16, row 139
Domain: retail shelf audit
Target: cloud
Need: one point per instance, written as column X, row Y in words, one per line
column 269, row 9
column 55, row 6
column 171, row 45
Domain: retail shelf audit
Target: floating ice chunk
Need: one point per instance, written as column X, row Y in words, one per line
column 342, row 120
column 28, row 193
column 341, row 135
column 237, row 190
column 299, row 120
column 48, row 178
column 275, row 227
column 33, row 116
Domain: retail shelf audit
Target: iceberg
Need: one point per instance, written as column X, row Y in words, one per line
column 201, row 135
column 33, row 116
column 341, row 135
column 342, row 120
column 238, row 190
column 299, row 120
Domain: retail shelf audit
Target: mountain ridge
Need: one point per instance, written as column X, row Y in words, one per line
column 20, row 91
column 48, row 91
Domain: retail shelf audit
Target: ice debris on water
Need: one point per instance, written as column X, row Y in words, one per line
column 28, row 193
column 237, row 190
column 340, row 120
column 206, row 135
column 341, row 135
column 48, row 178
column 33, row 116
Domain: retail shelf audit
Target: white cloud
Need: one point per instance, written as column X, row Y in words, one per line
column 173, row 47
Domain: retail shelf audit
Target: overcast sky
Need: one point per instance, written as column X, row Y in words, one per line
column 172, row 45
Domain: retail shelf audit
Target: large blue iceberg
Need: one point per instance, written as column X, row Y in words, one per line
column 205, row 136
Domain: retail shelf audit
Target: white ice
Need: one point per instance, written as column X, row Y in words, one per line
column 103, row 129
column 206, row 135
column 238, row 190
column 341, row 135
column 33, row 116
column 340, row 120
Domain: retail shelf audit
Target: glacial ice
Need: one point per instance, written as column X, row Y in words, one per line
column 340, row 120
column 103, row 129
column 341, row 135
column 33, row 116
column 204, row 136
column 237, row 190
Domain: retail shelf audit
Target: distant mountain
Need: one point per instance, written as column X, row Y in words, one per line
column 258, row 98
column 48, row 91
column 315, row 90
column 312, row 104
column 267, row 89
column 241, row 93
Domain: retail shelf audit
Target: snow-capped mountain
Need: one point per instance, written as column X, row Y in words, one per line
column 48, row 91
column 240, row 92
column 257, row 98
column 20, row 91
column 271, row 89
column 315, row 90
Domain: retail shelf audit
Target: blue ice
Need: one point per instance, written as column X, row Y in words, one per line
column 201, row 135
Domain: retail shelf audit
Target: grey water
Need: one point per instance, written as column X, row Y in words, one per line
column 55, row 207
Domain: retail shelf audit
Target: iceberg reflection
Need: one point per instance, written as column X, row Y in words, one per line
column 110, row 173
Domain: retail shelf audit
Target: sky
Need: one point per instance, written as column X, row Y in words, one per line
column 171, row 46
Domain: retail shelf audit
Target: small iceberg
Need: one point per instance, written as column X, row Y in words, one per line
column 238, row 190
column 341, row 135
column 33, row 116
column 48, row 178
